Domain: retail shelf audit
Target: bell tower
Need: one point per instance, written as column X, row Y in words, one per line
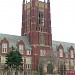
column 36, row 22
column 36, row 25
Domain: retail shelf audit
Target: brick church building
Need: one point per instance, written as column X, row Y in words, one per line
column 36, row 40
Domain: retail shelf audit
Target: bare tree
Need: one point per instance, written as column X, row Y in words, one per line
column 50, row 60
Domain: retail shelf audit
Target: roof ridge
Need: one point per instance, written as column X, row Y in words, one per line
column 8, row 34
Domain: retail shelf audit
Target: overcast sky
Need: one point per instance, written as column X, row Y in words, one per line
column 62, row 18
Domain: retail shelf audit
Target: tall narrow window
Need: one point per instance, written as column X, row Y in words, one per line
column 41, row 16
column 42, row 39
column 28, row 14
column 28, row 22
column 28, row 62
column 21, row 49
column 36, row 29
column 41, row 52
column 72, row 54
column 72, row 64
column 3, row 59
column 41, row 21
column 67, row 64
column 61, row 52
column 4, row 47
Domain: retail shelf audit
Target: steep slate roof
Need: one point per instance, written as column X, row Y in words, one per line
column 65, row 45
column 13, row 40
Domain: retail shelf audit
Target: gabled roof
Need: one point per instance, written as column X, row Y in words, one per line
column 65, row 45
column 13, row 40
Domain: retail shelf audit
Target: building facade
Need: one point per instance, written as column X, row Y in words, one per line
column 36, row 40
column 66, row 55
column 19, row 42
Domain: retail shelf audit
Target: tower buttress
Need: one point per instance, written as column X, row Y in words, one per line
column 23, row 18
column 49, row 22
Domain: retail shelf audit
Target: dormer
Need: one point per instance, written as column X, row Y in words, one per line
column 61, row 50
column 21, row 46
column 4, row 45
column 4, row 40
column 71, row 50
